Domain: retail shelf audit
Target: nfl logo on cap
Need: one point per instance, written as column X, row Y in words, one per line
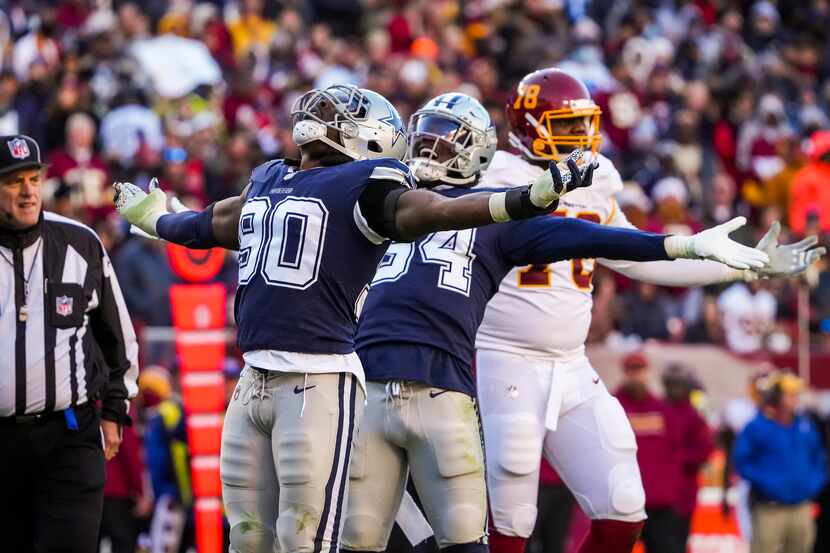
column 18, row 148
column 63, row 305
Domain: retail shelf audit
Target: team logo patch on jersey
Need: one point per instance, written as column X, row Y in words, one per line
column 18, row 148
column 63, row 306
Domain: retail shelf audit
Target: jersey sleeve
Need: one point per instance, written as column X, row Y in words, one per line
column 374, row 212
column 391, row 170
column 543, row 240
column 678, row 272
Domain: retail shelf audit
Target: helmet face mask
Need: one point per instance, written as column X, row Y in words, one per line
column 540, row 104
column 437, row 146
column 451, row 140
column 554, row 144
column 356, row 122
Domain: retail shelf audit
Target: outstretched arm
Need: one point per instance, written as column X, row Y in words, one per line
column 785, row 261
column 215, row 226
column 549, row 239
column 420, row 212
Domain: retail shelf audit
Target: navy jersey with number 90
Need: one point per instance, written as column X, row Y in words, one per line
column 307, row 255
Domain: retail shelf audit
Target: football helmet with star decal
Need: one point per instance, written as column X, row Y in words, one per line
column 357, row 122
column 451, row 140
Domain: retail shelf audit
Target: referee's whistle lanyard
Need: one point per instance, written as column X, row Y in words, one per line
column 17, row 240
column 18, row 271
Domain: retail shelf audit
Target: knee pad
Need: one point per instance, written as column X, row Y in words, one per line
column 522, row 520
column 515, row 520
column 462, row 523
column 622, row 497
column 627, row 497
column 519, row 444
column 297, row 530
column 251, row 536
column 363, row 533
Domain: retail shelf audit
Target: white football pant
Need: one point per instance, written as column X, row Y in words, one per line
column 534, row 406
column 435, row 434
column 286, row 445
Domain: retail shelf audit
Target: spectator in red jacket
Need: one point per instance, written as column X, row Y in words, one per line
column 80, row 168
column 696, row 441
column 127, row 498
column 659, row 449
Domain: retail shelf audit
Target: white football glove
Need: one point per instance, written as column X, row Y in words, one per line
column 714, row 243
column 787, row 260
column 143, row 210
column 559, row 179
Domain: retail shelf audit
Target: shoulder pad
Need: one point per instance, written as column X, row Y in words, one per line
column 266, row 170
column 390, row 169
column 607, row 179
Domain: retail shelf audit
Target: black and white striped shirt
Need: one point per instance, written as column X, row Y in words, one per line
column 75, row 341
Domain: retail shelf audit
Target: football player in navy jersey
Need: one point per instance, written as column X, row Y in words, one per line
column 310, row 237
column 417, row 331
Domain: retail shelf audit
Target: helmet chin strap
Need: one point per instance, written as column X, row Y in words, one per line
column 517, row 143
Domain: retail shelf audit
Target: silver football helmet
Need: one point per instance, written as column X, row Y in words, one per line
column 451, row 140
column 368, row 124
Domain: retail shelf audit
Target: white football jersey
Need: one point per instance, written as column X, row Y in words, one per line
column 546, row 309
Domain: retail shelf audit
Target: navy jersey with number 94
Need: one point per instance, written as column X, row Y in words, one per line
column 307, row 255
column 428, row 298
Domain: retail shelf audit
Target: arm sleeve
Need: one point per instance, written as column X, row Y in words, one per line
column 114, row 334
column 374, row 212
column 193, row 229
column 819, row 458
column 678, row 272
column 743, row 455
column 549, row 239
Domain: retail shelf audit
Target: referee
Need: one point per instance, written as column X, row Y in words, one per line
column 65, row 341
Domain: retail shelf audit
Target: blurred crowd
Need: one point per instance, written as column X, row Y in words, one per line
column 711, row 109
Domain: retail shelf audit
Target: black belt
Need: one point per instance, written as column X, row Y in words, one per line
column 40, row 418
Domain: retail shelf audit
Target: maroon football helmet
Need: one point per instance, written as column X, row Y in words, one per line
column 542, row 97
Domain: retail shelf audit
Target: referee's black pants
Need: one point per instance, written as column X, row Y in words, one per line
column 51, row 484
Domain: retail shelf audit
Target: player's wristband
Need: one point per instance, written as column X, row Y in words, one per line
column 193, row 229
column 680, row 247
column 515, row 204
